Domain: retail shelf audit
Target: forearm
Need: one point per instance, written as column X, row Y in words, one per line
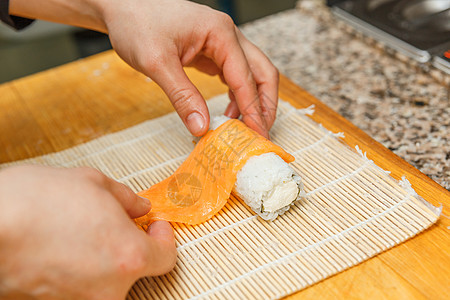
column 82, row 13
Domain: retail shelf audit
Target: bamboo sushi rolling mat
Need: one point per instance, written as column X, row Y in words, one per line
column 352, row 210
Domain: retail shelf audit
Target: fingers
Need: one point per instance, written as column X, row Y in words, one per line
column 266, row 77
column 239, row 78
column 205, row 65
column 251, row 77
column 269, row 101
column 232, row 110
column 150, row 254
column 224, row 49
column 162, row 252
column 186, row 99
column 138, row 254
column 155, row 254
column 134, row 205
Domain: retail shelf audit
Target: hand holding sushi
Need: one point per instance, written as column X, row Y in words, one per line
column 159, row 37
column 67, row 234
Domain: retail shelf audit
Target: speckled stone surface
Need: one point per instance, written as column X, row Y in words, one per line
column 397, row 104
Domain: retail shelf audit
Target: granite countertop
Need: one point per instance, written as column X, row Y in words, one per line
column 399, row 105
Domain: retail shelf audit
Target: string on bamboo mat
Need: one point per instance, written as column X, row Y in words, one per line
column 351, row 210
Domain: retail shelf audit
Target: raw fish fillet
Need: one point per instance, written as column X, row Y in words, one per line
column 201, row 186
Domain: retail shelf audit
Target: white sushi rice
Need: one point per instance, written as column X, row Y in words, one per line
column 217, row 121
column 266, row 183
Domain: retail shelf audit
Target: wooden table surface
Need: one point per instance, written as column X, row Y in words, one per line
column 80, row 101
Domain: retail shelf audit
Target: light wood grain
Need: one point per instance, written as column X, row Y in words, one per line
column 78, row 102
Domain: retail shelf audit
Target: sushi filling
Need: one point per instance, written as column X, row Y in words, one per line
column 282, row 195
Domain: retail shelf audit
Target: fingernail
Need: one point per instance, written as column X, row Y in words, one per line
column 145, row 202
column 195, row 123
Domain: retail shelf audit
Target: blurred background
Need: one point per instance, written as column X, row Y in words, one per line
column 45, row 45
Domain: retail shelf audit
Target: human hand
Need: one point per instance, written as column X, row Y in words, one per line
column 159, row 37
column 68, row 234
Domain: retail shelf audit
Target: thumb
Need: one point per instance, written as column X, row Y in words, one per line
column 134, row 205
column 163, row 252
column 185, row 98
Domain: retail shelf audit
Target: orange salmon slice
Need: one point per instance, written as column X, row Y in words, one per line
column 202, row 184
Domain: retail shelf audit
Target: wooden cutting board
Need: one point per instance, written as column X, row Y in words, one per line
column 75, row 103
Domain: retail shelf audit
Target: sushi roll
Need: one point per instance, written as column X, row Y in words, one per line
column 266, row 183
column 230, row 157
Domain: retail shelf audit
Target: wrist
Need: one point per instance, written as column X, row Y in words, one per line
column 97, row 9
column 113, row 10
